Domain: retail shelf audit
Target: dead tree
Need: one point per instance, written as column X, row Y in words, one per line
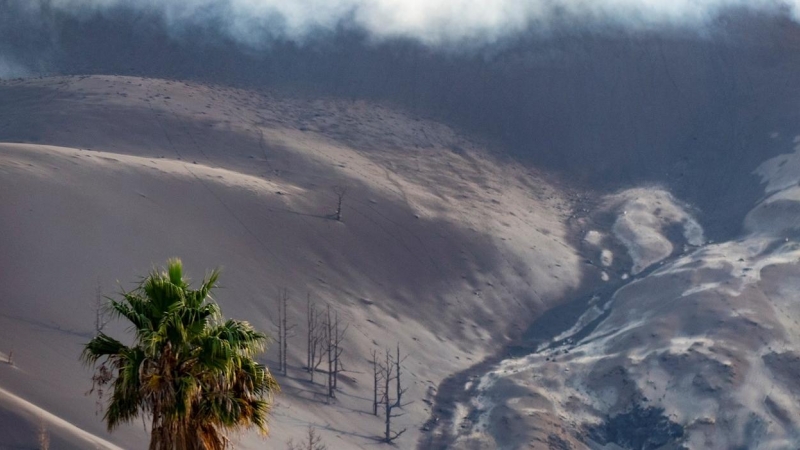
column 283, row 332
column 313, row 441
column 311, row 327
column 388, row 375
column 287, row 332
column 333, row 341
column 340, row 192
column 101, row 378
column 376, row 372
column 397, row 363
column 100, row 320
column 279, row 324
column 315, row 338
column 329, row 351
column 338, row 367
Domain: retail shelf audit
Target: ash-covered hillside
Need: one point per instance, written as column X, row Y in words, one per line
column 442, row 246
column 583, row 235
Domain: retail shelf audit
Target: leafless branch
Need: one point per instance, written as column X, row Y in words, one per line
column 100, row 318
column 283, row 332
column 390, row 371
column 313, row 441
column 315, row 338
column 333, row 341
column 340, row 192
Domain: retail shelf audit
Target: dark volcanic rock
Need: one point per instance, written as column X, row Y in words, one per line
column 639, row 429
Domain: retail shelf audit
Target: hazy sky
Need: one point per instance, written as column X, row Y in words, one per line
column 10, row 69
column 431, row 21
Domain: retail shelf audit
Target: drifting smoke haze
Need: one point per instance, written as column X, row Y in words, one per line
column 440, row 22
column 10, row 69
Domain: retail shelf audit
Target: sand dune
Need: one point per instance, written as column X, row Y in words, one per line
column 63, row 433
column 443, row 247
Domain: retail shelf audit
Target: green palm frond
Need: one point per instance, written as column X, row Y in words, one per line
column 203, row 293
column 190, row 369
column 241, row 336
column 162, row 293
column 100, row 346
column 126, row 399
column 175, row 273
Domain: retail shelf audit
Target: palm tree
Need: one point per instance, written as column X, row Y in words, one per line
column 191, row 371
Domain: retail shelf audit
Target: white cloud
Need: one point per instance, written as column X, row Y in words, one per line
column 431, row 21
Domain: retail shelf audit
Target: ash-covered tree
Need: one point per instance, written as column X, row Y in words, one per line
column 390, row 374
column 376, row 379
column 192, row 372
column 340, row 192
column 100, row 319
column 316, row 336
column 334, row 335
column 285, row 331
column 312, row 441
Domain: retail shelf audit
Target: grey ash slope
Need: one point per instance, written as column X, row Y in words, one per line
column 440, row 250
column 697, row 349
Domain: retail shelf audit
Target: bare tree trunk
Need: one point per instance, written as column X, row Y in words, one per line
column 310, row 322
column 390, row 372
column 340, row 192
column 313, row 441
column 375, row 381
column 285, row 328
column 329, row 348
column 397, row 369
column 333, row 348
column 318, row 343
column 336, row 351
column 100, row 320
column 280, row 335
column 387, row 401
column 316, row 332
column 319, row 350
